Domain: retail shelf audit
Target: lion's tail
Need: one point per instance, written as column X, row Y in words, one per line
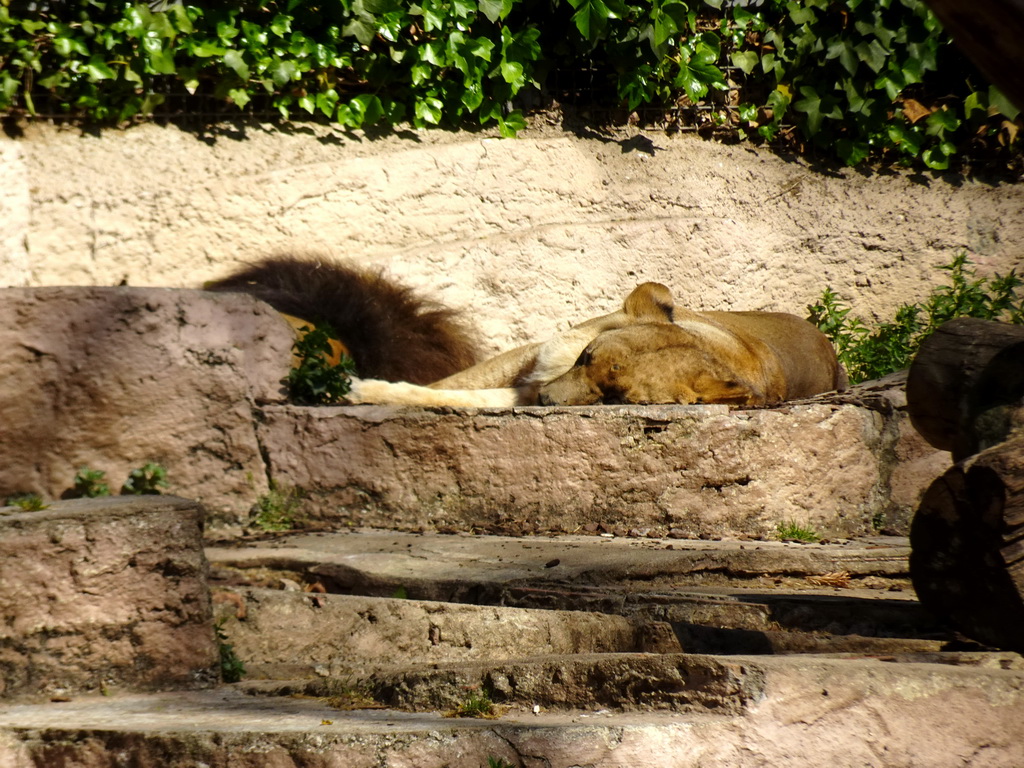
column 391, row 332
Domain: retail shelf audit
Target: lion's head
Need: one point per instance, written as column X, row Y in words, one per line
column 652, row 363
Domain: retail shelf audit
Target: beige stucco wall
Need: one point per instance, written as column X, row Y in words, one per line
column 529, row 234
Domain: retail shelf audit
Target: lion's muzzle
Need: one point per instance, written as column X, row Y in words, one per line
column 571, row 388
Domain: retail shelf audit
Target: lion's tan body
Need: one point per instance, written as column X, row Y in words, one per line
column 647, row 352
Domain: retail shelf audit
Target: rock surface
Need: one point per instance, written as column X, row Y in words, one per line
column 381, row 678
column 284, row 635
column 113, row 378
column 703, row 470
column 789, row 711
column 105, row 595
column 718, row 597
column 884, row 716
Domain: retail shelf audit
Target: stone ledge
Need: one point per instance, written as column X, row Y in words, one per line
column 809, row 713
column 687, row 682
column 104, row 594
column 739, row 597
column 283, row 635
column 112, row 378
column 702, row 470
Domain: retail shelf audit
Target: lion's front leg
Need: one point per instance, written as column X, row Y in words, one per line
column 402, row 393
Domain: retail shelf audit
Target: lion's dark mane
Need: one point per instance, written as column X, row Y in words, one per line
column 391, row 332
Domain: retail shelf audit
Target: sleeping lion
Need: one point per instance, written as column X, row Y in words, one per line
column 411, row 352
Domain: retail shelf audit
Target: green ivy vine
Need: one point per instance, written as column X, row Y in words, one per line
column 859, row 79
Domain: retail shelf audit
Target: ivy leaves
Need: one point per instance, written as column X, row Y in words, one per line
column 842, row 72
column 872, row 79
column 857, row 79
column 356, row 63
column 654, row 47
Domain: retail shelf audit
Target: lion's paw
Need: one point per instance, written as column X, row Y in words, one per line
column 356, row 394
column 364, row 391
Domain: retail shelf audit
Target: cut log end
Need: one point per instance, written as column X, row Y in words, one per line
column 967, row 547
column 963, row 371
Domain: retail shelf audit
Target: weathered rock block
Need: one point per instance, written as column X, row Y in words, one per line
column 112, row 378
column 104, row 593
column 285, row 635
column 705, row 470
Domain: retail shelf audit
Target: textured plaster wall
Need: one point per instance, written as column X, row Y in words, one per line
column 529, row 234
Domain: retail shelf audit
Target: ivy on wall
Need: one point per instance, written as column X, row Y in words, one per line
column 863, row 80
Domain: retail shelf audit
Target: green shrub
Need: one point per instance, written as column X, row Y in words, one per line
column 869, row 353
column 867, row 79
column 147, row 480
column 231, row 667
column 89, row 483
column 476, row 705
column 858, row 79
column 30, row 502
column 315, row 381
column 791, row 531
column 278, row 509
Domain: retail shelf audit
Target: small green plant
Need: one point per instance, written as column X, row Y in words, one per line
column 476, row 705
column 231, row 667
column 792, row 531
column 315, row 381
column 277, row 509
column 498, row 762
column 90, row 483
column 869, row 353
column 147, row 480
column 878, row 521
column 30, row 502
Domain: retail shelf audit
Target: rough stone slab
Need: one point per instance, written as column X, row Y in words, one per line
column 107, row 594
column 809, row 714
column 720, row 596
column 646, row 682
column 113, row 378
column 704, row 470
column 279, row 634
column 676, row 682
column 432, row 566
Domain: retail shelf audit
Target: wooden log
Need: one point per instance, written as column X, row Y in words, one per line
column 965, row 387
column 967, row 546
column 989, row 32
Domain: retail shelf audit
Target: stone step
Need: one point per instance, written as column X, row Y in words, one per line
column 578, row 682
column 696, row 470
column 786, row 711
column 381, row 680
column 769, row 595
column 281, row 635
column 649, row 682
column 104, row 594
column 124, row 359
column 378, row 561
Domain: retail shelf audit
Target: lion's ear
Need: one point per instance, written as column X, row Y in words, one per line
column 651, row 302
